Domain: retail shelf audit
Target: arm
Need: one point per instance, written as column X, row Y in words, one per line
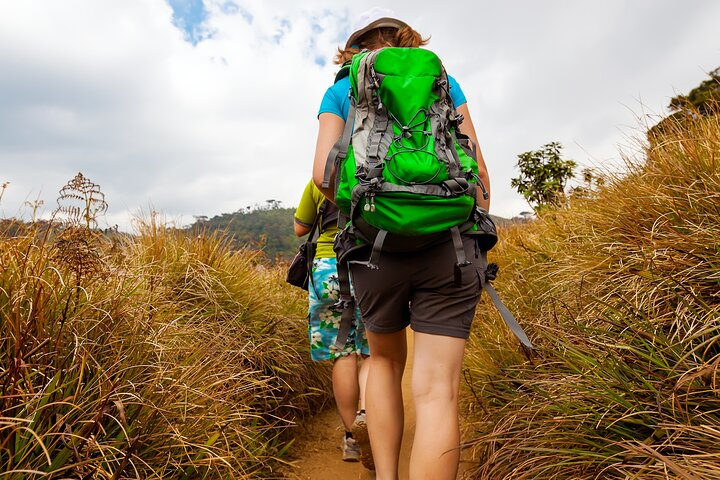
column 468, row 129
column 330, row 129
column 300, row 229
column 306, row 211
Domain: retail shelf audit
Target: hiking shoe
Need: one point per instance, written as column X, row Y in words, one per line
column 360, row 434
column 350, row 450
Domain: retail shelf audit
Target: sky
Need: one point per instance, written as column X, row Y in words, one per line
column 198, row 108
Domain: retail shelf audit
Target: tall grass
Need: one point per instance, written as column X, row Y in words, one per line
column 147, row 356
column 621, row 293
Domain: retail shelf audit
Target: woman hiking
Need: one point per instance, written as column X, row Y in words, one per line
column 442, row 306
column 349, row 372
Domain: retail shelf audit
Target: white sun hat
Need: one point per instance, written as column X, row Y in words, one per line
column 376, row 17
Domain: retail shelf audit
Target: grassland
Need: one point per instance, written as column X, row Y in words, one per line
column 620, row 291
column 154, row 356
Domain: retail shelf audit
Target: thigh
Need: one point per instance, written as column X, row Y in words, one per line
column 437, row 361
column 382, row 294
column 439, row 305
column 324, row 322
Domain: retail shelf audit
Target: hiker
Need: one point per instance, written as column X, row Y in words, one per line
column 407, row 288
column 350, row 367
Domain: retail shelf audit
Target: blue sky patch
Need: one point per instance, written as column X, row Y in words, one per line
column 189, row 16
column 283, row 28
column 232, row 8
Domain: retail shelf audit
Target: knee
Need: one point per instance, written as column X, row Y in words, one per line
column 426, row 390
column 393, row 364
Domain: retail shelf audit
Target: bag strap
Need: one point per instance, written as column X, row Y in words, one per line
column 339, row 150
column 346, row 305
column 315, row 230
column 487, row 273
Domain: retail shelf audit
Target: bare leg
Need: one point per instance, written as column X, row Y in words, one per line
column 362, row 379
column 384, row 401
column 345, row 388
column 435, row 383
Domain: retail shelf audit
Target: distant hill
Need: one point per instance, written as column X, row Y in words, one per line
column 269, row 227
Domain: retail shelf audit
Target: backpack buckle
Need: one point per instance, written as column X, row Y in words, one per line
column 343, row 304
column 491, row 272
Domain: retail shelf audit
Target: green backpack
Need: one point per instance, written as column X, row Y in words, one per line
column 406, row 178
column 402, row 166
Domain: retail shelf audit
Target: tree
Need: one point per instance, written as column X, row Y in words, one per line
column 543, row 175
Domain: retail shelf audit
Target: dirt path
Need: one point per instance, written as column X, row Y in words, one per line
column 316, row 452
column 317, row 455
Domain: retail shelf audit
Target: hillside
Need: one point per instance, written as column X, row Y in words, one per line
column 269, row 227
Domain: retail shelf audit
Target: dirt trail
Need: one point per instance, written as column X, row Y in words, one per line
column 316, row 453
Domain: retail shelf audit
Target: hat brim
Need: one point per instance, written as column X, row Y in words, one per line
column 385, row 22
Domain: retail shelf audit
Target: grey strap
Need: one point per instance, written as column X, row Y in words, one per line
column 508, row 317
column 454, row 166
column 339, row 150
column 502, row 309
column 449, row 188
column 462, row 266
column 376, row 136
column 458, row 244
column 377, row 248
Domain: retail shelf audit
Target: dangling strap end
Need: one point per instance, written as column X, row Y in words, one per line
column 377, row 248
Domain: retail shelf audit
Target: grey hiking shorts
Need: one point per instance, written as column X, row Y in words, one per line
column 418, row 289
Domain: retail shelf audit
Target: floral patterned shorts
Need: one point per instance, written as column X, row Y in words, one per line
column 323, row 293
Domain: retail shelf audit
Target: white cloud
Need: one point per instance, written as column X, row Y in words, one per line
column 114, row 90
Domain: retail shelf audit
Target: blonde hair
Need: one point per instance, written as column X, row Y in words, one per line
column 382, row 37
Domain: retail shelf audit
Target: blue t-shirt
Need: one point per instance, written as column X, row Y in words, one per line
column 337, row 101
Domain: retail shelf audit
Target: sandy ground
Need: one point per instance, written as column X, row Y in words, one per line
column 316, row 453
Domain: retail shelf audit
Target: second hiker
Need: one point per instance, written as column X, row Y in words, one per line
column 349, row 372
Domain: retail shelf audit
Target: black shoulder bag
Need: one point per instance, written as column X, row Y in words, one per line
column 301, row 265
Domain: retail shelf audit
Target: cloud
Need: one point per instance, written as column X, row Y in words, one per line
column 202, row 108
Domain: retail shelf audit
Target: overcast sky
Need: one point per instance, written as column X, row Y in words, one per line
column 192, row 107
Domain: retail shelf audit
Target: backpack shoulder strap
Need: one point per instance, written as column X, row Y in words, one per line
column 343, row 72
column 329, row 215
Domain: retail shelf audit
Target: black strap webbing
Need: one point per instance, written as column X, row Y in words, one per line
column 458, row 244
column 313, row 236
column 377, row 248
column 346, row 305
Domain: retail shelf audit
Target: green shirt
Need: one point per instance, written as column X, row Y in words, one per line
column 307, row 212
